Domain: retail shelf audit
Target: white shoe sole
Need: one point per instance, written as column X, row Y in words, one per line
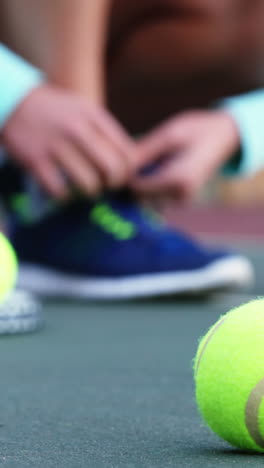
column 231, row 272
column 20, row 313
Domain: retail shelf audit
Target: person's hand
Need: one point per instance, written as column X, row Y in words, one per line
column 185, row 153
column 66, row 143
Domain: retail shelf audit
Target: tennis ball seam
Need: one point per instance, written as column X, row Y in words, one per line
column 207, row 341
column 252, row 413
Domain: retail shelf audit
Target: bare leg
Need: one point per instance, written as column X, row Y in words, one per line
column 64, row 38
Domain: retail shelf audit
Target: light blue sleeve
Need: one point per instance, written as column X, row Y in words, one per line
column 17, row 79
column 248, row 112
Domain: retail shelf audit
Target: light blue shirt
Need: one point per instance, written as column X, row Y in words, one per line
column 17, row 79
column 248, row 112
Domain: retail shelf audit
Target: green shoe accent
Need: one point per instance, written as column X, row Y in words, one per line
column 103, row 215
column 20, row 203
column 29, row 212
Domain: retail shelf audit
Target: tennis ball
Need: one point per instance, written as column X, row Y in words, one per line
column 8, row 267
column 229, row 376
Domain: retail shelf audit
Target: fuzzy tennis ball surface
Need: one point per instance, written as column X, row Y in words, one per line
column 229, row 376
column 8, row 267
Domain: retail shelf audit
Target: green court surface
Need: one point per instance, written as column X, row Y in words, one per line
column 110, row 386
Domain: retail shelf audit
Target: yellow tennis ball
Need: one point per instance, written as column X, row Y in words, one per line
column 8, row 267
column 229, row 376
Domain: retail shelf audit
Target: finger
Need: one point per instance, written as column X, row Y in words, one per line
column 108, row 127
column 161, row 182
column 49, row 177
column 110, row 163
column 176, row 177
column 80, row 172
column 183, row 175
column 157, row 145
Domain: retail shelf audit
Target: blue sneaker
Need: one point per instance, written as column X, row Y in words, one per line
column 111, row 249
